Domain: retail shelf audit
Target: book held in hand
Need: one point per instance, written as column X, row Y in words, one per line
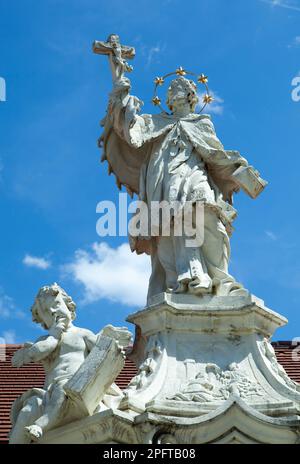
column 249, row 180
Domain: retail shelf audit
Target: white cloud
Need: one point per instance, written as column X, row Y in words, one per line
column 216, row 107
column 295, row 42
column 35, row 261
column 2, row 90
column 115, row 274
column 74, row 46
column 9, row 337
column 271, row 235
column 7, row 305
column 151, row 53
column 8, row 308
column 290, row 5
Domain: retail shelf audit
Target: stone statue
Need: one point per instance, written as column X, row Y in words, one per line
column 117, row 54
column 176, row 157
column 206, row 370
column 66, row 350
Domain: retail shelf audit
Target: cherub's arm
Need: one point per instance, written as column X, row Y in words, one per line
column 37, row 351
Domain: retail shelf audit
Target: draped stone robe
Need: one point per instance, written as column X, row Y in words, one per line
column 166, row 158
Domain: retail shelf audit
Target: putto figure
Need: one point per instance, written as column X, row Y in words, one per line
column 177, row 157
column 62, row 352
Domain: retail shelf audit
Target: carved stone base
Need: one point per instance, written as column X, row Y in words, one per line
column 207, row 374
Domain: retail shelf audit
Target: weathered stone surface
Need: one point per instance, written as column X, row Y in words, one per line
column 175, row 159
column 207, row 372
column 94, row 377
column 206, row 375
column 80, row 369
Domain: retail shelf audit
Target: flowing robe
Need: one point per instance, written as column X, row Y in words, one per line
column 167, row 158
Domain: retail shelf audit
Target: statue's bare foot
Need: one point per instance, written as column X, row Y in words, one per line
column 34, row 431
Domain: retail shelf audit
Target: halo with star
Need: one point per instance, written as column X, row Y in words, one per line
column 202, row 79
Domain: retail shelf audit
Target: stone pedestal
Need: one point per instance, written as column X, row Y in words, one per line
column 207, row 374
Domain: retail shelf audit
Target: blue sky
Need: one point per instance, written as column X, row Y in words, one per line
column 50, row 176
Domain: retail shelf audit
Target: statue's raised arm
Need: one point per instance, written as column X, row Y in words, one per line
column 122, row 114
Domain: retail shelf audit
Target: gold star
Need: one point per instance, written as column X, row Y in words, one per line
column 203, row 79
column 207, row 99
column 159, row 80
column 180, row 71
column 156, row 101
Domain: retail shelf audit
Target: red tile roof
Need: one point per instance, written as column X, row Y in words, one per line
column 288, row 355
column 13, row 382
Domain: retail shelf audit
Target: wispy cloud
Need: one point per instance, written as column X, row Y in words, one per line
column 37, row 262
column 295, row 42
column 8, row 307
column 151, row 53
column 2, row 90
column 9, row 337
column 289, row 5
column 115, row 274
column 216, row 107
column 67, row 46
column 271, row 235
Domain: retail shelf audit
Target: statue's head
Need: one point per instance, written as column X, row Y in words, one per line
column 182, row 91
column 113, row 39
column 51, row 304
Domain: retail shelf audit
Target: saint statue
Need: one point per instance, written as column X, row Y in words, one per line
column 175, row 157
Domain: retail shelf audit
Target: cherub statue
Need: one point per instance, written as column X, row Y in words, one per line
column 62, row 352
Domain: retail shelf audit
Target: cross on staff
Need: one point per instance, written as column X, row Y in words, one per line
column 116, row 53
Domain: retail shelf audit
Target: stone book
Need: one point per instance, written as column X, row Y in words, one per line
column 88, row 386
column 249, row 180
